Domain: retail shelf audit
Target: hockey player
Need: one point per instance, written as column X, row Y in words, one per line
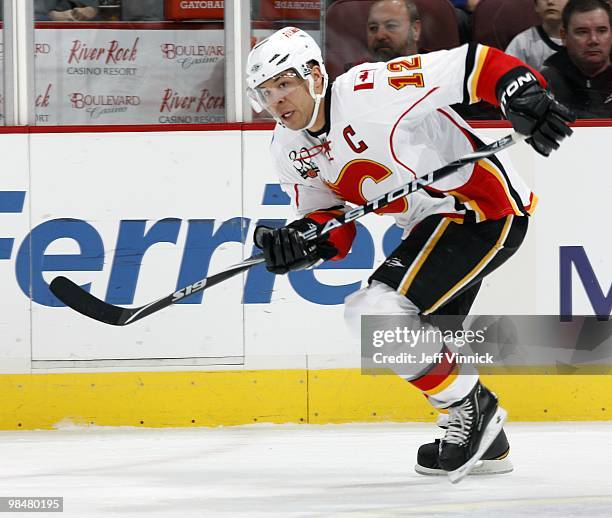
column 375, row 128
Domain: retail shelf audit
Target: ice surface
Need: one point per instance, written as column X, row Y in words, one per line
column 561, row 469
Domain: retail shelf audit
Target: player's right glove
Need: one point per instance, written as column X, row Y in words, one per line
column 533, row 111
column 286, row 250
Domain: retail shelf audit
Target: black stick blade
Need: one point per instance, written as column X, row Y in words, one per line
column 85, row 303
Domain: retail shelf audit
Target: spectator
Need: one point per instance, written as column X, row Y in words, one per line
column 65, row 10
column 580, row 75
column 537, row 44
column 142, row 10
column 394, row 26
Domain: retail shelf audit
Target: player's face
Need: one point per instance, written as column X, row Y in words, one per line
column 550, row 10
column 588, row 40
column 390, row 33
column 286, row 97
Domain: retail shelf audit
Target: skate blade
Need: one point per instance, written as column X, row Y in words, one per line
column 493, row 428
column 482, row 467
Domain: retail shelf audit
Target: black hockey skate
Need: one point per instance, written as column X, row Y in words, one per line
column 494, row 461
column 473, row 424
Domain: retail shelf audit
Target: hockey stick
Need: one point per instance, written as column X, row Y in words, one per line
column 85, row 303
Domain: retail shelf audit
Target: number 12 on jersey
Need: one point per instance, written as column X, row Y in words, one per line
column 411, row 63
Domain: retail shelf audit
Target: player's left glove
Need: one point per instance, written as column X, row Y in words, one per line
column 286, row 250
column 533, row 111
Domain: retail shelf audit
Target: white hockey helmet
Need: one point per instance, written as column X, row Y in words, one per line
column 289, row 48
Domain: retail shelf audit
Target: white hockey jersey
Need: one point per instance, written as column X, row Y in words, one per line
column 387, row 123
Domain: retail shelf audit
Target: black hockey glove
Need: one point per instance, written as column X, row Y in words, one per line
column 533, row 111
column 286, row 250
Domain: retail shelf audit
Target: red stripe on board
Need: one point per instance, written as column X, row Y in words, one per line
column 489, row 123
column 258, row 126
column 144, row 128
column 233, row 126
column 580, row 123
column 15, row 129
column 592, row 123
column 129, row 128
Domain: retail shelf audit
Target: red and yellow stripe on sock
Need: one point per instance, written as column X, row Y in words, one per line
column 439, row 376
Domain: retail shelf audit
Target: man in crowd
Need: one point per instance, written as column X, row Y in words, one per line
column 393, row 29
column 580, row 75
column 538, row 43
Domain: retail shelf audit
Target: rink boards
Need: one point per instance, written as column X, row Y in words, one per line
column 138, row 214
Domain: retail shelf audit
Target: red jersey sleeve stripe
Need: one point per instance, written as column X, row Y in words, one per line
column 490, row 65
